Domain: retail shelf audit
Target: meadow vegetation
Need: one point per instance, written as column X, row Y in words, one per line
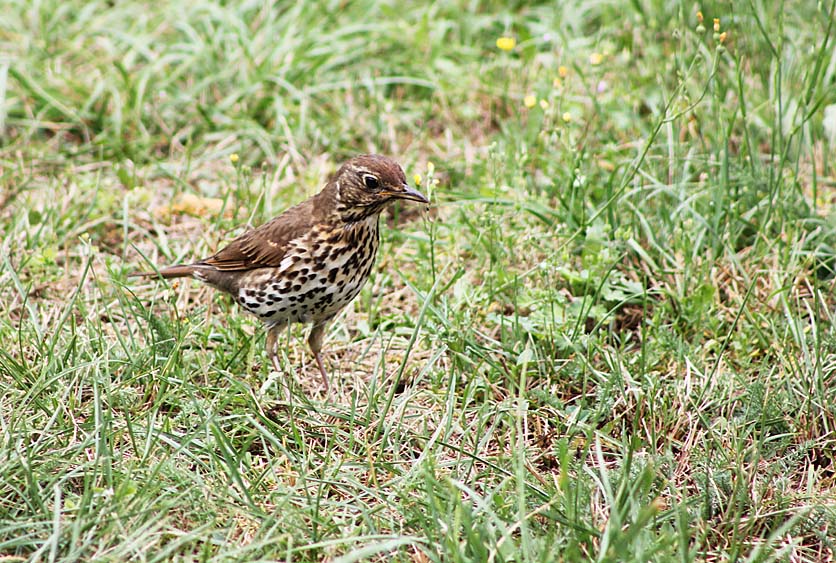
column 610, row 338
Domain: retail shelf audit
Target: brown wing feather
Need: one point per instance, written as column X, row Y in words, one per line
column 266, row 245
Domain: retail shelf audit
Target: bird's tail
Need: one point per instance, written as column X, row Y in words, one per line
column 179, row 271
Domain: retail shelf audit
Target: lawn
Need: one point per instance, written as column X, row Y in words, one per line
column 609, row 338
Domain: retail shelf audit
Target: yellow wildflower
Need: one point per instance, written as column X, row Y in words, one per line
column 562, row 71
column 417, row 179
column 716, row 25
column 544, row 104
column 430, row 167
column 530, row 101
column 723, row 37
column 700, row 17
column 556, row 83
column 233, row 157
column 595, row 59
column 567, row 117
column 506, row 43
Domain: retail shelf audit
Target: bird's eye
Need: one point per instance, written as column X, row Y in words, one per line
column 371, row 182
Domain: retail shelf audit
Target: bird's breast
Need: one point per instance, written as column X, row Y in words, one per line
column 320, row 274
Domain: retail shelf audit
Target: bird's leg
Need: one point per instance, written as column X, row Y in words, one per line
column 315, row 342
column 272, row 351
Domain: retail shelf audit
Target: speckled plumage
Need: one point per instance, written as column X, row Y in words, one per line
column 308, row 263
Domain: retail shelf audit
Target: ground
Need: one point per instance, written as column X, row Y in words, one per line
column 610, row 337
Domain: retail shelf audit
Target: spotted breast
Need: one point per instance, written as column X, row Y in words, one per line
column 322, row 272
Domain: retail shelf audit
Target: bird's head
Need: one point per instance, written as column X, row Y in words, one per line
column 366, row 184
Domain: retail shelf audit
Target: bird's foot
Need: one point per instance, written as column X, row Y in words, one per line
column 324, row 374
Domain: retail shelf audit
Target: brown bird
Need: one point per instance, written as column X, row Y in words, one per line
column 308, row 263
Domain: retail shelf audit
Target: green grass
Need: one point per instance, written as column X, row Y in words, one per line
column 611, row 339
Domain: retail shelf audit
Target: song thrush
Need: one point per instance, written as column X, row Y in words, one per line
column 308, row 263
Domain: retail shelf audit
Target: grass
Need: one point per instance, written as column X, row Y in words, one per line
column 611, row 338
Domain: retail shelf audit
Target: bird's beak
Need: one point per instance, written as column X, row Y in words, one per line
column 410, row 193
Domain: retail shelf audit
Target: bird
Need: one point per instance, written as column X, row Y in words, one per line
column 306, row 264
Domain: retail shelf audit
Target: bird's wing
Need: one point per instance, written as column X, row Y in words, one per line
column 266, row 245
